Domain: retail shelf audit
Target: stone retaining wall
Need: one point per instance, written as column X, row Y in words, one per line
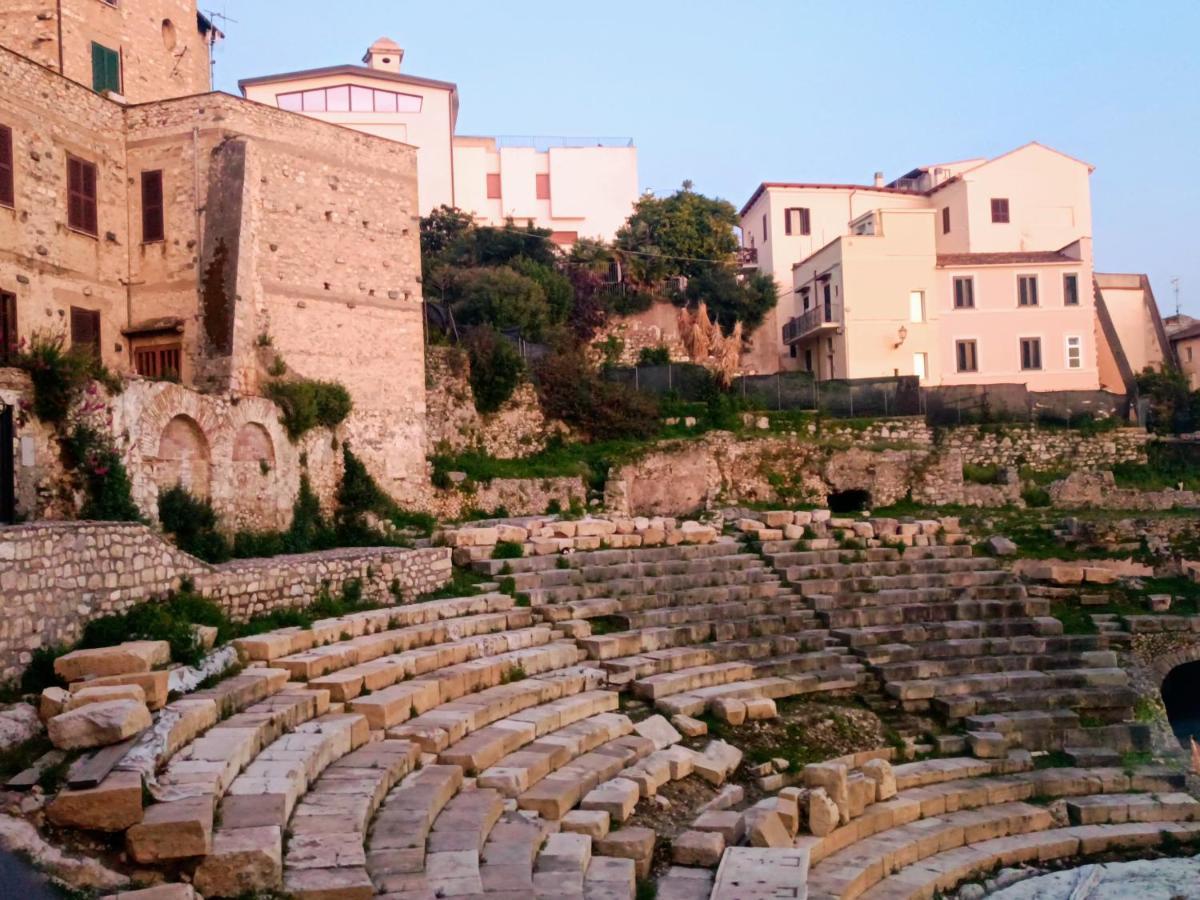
column 56, row 576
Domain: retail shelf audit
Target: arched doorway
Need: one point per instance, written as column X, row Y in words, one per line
column 183, row 457
column 851, row 501
column 1181, row 696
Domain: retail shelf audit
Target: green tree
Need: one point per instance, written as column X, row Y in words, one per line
column 732, row 300
column 683, row 234
column 501, row 298
column 496, row 368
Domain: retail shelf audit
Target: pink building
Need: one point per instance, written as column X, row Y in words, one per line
column 576, row 187
column 972, row 272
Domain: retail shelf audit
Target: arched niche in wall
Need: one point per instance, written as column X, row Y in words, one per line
column 183, row 457
column 254, row 477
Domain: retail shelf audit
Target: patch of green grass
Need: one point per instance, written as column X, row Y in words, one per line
column 1133, row 758
column 1167, row 466
column 606, row 625
column 1055, row 759
column 508, row 550
column 462, row 583
column 980, row 474
column 1075, row 619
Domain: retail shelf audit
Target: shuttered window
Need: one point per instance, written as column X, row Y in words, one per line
column 81, row 196
column 543, row 187
column 964, row 292
column 1027, row 290
column 493, row 187
column 945, row 220
column 1031, row 353
column 85, row 330
column 159, row 362
column 153, row 225
column 796, row 220
column 8, row 326
column 1070, row 290
column 7, row 193
column 1000, row 210
column 968, row 357
column 106, row 69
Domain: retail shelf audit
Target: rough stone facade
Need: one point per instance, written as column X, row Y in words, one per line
column 1092, row 490
column 55, row 577
column 279, row 229
column 452, row 425
column 514, row 496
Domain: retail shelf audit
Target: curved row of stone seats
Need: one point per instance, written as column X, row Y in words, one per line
column 695, row 702
column 395, row 847
column 646, row 666
column 198, row 776
column 942, row 871
column 626, row 644
column 281, row 642
column 1055, row 729
column 791, row 557
column 685, row 680
column 754, row 580
column 837, row 566
column 116, row 803
column 348, row 683
column 527, row 571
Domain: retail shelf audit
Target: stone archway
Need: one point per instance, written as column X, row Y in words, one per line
column 1181, row 697
column 253, row 502
column 183, row 457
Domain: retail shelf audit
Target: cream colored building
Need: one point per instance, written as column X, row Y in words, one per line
column 575, row 187
column 1129, row 330
column 971, row 272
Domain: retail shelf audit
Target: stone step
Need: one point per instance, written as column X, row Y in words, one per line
column 784, row 554
column 646, row 640
column 720, row 548
column 848, row 873
column 915, row 581
column 887, row 655
column 936, row 771
column 693, row 703
column 930, row 632
column 673, row 659
column 554, row 795
column 684, row 883
column 946, row 667
column 1007, row 680
column 933, row 613
column 1118, row 808
column 943, row 871
column 1119, row 701
column 395, row 849
column 655, row 687
column 730, row 608
column 901, row 566
column 829, row 601
column 456, row 842
column 647, row 596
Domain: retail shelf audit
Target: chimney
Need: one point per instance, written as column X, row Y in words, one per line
column 878, row 179
column 384, row 55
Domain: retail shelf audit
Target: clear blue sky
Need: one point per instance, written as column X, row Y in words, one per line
column 732, row 93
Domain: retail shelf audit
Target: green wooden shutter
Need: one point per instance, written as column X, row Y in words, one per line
column 106, row 69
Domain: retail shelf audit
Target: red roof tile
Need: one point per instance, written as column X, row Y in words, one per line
column 947, row 260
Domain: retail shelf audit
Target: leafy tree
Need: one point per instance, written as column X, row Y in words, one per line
column 1173, row 407
column 682, row 234
column 571, row 390
column 496, row 368
column 730, row 300
column 560, row 295
column 501, row 298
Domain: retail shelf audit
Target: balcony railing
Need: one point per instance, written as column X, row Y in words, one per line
column 747, row 257
column 822, row 316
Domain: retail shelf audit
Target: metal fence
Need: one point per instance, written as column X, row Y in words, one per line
column 979, row 403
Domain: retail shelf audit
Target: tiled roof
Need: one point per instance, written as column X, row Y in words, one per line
column 1183, row 334
column 947, row 260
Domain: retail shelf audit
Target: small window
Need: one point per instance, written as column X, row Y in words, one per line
column 85, row 330
column 1070, row 289
column 158, row 362
column 797, row 221
column 337, row 99
column 153, row 218
column 564, row 238
column 793, row 351
column 1188, row 350
column 967, row 355
column 543, row 187
column 493, row 187
column 106, row 69
column 1031, row 353
column 808, row 360
column 8, row 326
column 964, row 292
column 920, row 365
column 7, row 190
column 945, row 220
column 1000, row 210
column 1074, row 352
column 764, row 228
column 916, row 306
column 81, row 196
column 1027, row 290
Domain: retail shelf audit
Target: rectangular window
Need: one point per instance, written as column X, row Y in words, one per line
column 543, row 187
column 564, row 238
column 920, row 365
column 999, row 210
column 1031, row 353
column 945, row 220
column 8, row 326
column 764, row 228
column 793, row 351
column 1070, row 289
column 85, row 330
column 493, row 187
column 797, row 220
column 7, row 191
column 964, row 292
column 158, row 362
column 153, row 218
column 106, row 69
column 916, row 306
column 967, row 355
column 808, row 360
column 81, row 196
column 1074, row 353
column 1027, row 291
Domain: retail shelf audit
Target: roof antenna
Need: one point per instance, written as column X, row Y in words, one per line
column 212, row 39
column 1175, row 286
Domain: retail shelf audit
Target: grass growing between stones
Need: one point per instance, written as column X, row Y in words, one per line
column 462, row 583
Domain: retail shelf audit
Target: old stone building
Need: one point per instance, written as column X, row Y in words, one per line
column 185, row 234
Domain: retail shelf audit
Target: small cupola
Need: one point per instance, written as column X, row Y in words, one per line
column 385, row 55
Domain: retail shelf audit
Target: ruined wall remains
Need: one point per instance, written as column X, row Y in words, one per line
column 55, row 577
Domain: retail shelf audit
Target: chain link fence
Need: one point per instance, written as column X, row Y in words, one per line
column 981, row 403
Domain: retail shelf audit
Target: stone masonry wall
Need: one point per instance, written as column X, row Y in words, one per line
column 55, row 577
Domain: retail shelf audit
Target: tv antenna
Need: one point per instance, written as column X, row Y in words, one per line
column 1175, row 288
column 213, row 16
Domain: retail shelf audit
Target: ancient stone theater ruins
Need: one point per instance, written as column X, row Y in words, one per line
column 791, row 657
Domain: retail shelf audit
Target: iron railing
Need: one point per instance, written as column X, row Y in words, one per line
column 827, row 313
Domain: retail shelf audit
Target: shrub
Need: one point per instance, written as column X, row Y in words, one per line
column 108, row 491
column 58, row 374
column 40, row 673
column 193, row 522
column 501, row 298
column 980, row 474
column 496, row 368
column 654, row 356
column 1035, row 496
column 571, row 391
column 1173, row 407
column 170, row 620
column 508, row 550
column 307, row 404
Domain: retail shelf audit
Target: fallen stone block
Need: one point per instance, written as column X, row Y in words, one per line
column 658, row 730
column 133, row 656
column 98, row 724
column 823, row 813
column 177, row 829
column 113, row 805
column 698, row 848
column 688, row 726
column 104, row 693
column 765, row 828
column 243, row 861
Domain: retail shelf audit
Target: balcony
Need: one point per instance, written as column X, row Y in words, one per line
column 822, row 317
column 747, row 257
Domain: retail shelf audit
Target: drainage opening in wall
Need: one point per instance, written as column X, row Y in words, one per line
column 849, row 501
column 1181, row 696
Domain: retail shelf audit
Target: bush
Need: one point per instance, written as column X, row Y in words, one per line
column 571, row 391
column 1035, row 496
column 654, row 356
column 106, row 484
column 193, row 522
column 169, row 620
column 501, row 298
column 307, row 404
column 1173, row 407
column 980, row 474
column 508, row 550
column 496, row 368
column 58, row 374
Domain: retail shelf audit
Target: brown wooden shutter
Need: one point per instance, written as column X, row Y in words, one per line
column 8, row 325
column 153, row 224
column 85, row 330
column 81, row 195
column 543, row 187
column 7, row 192
column 805, row 221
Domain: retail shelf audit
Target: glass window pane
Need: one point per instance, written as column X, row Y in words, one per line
column 385, row 102
column 314, row 101
column 361, row 99
column 408, row 103
column 338, row 98
column 293, row 102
